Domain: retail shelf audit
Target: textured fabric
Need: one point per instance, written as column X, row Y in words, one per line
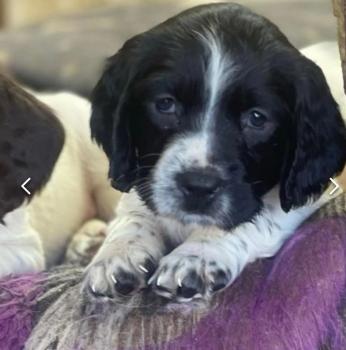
column 18, row 298
column 23, row 297
column 294, row 301
column 334, row 208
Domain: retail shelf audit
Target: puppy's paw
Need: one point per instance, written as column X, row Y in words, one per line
column 194, row 270
column 121, row 268
column 85, row 243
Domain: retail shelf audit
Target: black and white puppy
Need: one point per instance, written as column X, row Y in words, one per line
column 225, row 135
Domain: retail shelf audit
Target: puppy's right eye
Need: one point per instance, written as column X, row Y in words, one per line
column 165, row 105
column 165, row 112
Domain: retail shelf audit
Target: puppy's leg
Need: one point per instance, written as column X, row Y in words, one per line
column 21, row 249
column 86, row 242
column 134, row 244
column 210, row 259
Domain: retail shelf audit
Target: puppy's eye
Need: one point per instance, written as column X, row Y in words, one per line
column 165, row 105
column 256, row 118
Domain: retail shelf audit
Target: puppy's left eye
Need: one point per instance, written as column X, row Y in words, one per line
column 255, row 118
column 165, row 105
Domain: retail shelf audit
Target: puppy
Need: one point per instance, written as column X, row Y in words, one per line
column 225, row 137
column 31, row 139
column 46, row 137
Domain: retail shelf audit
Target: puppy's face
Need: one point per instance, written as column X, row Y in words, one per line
column 208, row 111
column 209, row 131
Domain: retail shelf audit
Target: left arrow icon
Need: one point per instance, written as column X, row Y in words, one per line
column 25, row 183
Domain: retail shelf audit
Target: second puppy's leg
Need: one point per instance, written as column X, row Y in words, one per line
column 21, row 249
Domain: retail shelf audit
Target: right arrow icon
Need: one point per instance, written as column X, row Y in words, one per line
column 337, row 186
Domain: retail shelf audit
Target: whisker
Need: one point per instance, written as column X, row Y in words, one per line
column 150, row 155
column 256, row 182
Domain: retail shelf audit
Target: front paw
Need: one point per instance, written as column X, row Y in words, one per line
column 119, row 271
column 192, row 271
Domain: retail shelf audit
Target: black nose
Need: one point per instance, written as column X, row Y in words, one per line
column 199, row 182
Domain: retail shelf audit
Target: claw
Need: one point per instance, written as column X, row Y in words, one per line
column 142, row 268
column 114, row 279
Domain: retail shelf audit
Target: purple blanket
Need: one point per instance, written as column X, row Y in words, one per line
column 293, row 301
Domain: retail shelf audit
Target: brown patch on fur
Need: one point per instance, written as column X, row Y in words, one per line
column 31, row 140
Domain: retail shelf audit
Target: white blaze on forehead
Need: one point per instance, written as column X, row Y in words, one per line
column 219, row 69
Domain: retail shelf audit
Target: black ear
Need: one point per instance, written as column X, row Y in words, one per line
column 110, row 124
column 31, row 138
column 318, row 147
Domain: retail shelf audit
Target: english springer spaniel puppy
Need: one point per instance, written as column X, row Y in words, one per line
column 224, row 136
column 47, row 137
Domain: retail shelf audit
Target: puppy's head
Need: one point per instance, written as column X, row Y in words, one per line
column 208, row 111
column 30, row 141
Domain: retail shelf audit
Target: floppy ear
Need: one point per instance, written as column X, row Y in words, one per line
column 110, row 125
column 318, row 150
column 31, row 139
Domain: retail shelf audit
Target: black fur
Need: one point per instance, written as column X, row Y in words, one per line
column 317, row 151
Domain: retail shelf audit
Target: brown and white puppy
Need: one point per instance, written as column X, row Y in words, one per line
column 226, row 137
column 31, row 139
column 46, row 137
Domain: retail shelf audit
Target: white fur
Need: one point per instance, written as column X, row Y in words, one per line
column 21, row 249
column 219, row 71
column 180, row 154
column 183, row 153
column 77, row 191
